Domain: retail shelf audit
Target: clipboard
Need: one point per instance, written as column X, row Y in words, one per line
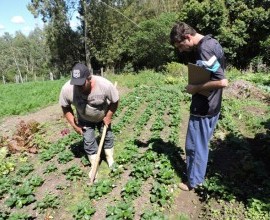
column 198, row 75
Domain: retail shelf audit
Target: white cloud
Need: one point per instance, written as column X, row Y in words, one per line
column 2, row 27
column 26, row 30
column 17, row 19
column 74, row 24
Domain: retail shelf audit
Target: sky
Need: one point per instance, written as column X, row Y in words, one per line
column 14, row 16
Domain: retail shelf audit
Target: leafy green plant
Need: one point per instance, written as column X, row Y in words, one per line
column 50, row 168
column 46, row 155
column 258, row 209
column 151, row 156
column 25, row 169
column 100, row 188
column 5, row 185
column 130, row 153
column 49, row 201
column 132, row 189
column 165, row 175
column 6, row 163
column 20, row 197
column 152, row 215
column 142, row 169
column 36, row 181
column 15, row 216
column 160, row 195
column 16, row 180
column 65, row 157
column 84, row 211
column 73, row 173
column 85, row 161
column 116, row 171
column 121, row 210
column 215, row 187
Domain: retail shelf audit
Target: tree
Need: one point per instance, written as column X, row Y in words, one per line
column 241, row 26
column 149, row 47
column 64, row 43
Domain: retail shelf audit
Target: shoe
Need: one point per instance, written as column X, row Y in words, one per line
column 185, row 187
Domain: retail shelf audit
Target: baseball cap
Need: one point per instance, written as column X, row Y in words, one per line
column 79, row 74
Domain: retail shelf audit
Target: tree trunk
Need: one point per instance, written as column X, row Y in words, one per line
column 51, row 76
column 86, row 48
column 19, row 71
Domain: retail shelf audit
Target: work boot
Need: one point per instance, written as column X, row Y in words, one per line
column 92, row 159
column 109, row 156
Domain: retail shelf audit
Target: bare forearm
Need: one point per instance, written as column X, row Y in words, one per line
column 210, row 85
column 69, row 115
column 112, row 109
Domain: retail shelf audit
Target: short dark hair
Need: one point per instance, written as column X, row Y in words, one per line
column 179, row 31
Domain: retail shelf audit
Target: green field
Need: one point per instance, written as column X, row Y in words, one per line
column 149, row 129
column 18, row 99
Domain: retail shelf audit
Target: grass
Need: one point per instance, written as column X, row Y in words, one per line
column 19, row 99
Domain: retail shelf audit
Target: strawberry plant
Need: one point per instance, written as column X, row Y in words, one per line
column 25, row 169
column 160, row 195
column 20, row 197
column 152, row 215
column 46, row 155
column 165, row 175
column 121, row 210
column 85, row 161
column 142, row 169
column 84, row 211
column 132, row 189
column 5, row 185
column 15, row 216
column 116, row 171
column 73, row 173
column 16, row 180
column 35, row 181
column 129, row 155
column 151, row 155
column 65, row 157
column 49, row 201
column 50, row 168
column 100, row 188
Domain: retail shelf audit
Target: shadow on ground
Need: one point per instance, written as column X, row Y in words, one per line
column 239, row 168
column 170, row 150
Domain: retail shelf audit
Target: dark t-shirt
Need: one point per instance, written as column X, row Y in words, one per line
column 202, row 105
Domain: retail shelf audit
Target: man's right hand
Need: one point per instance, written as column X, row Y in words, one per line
column 78, row 129
column 69, row 115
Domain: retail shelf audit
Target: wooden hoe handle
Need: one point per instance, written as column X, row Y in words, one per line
column 96, row 162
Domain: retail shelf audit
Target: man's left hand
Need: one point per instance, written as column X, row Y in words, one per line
column 191, row 89
column 107, row 120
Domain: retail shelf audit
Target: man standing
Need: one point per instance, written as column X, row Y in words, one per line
column 95, row 100
column 204, row 110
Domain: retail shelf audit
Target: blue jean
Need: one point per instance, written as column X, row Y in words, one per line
column 89, row 137
column 199, row 133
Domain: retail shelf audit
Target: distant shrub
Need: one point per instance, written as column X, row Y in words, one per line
column 175, row 73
